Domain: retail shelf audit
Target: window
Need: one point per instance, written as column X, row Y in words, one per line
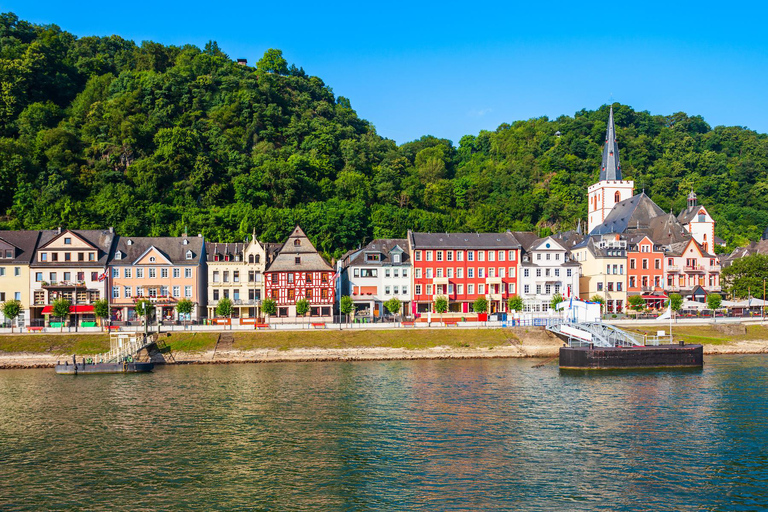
column 397, row 272
column 631, row 281
column 189, row 255
column 491, row 255
column 67, row 241
column 54, row 256
column 418, row 289
column 418, row 273
column 526, row 272
column 91, row 256
column 429, row 273
column 94, row 277
column 538, row 289
column 511, row 272
column 164, row 273
column 115, row 272
column 439, row 255
column 645, row 264
column 470, row 255
column 127, row 272
column 449, row 255
column 470, row 273
column 396, row 258
column 548, row 255
column 439, row 272
column 215, row 276
column 163, row 291
column 235, row 276
column 152, row 273
column 480, row 272
column 450, row 289
column 67, row 256
column 44, row 256
column 449, row 273
column 298, row 260
column 38, row 276
column 429, row 289
column 81, row 256
column 115, row 292
column 548, row 289
column 405, row 289
column 289, row 277
column 67, row 276
column 140, row 273
column 215, row 293
column 618, row 286
column 569, row 272
column 459, row 255
column 538, row 272
column 176, row 291
column 297, row 242
column 127, row 292
column 429, row 255
column 557, row 272
column 501, row 255
column 188, row 291
column 538, row 256
column 511, row 287
column 527, row 289
column 387, row 273
column 188, row 273
column 417, row 256
column 387, row 290
column 481, row 289
column 460, row 289
column 512, row 255
column 16, row 271
column 599, row 287
column 308, row 277
column 616, row 197
column 470, row 289
column 657, row 264
column 480, row 255
column 52, row 277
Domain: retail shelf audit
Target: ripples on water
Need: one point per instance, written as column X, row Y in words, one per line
column 402, row 435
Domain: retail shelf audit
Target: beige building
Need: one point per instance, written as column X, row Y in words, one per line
column 603, row 262
column 17, row 248
column 236, row 272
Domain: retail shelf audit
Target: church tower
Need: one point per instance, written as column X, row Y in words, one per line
column 611, row 188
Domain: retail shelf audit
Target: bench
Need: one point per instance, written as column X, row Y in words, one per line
column 318, row 325
column 407, row 324
column 35, row 328
column 261, row 326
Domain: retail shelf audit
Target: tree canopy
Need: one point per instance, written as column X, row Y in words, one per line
column 150, row 139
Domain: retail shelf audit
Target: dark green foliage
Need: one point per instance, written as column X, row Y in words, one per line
column 153, row 139
column 746, row 277
column 636, row 302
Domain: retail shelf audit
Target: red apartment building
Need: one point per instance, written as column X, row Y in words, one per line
column 463, row 267
column 645, row 271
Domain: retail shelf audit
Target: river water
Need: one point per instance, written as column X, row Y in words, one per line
column 395, row 435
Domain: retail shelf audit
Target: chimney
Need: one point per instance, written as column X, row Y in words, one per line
column 58, row 231
column 111, row 229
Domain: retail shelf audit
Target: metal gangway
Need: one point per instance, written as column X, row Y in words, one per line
column 580, row 334
column 125, row 345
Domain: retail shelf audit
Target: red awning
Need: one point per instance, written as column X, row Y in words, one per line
column 47, row 310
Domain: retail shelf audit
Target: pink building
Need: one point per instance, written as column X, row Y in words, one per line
column 163, row 270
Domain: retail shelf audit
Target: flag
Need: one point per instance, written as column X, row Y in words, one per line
column 104, row 275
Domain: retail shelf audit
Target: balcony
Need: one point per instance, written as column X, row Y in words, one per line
column 62, row 284
column 694, row 268
column 714, row 268
column 440, row 280
column 673, row 269
column 493, row 280
column 239, row 302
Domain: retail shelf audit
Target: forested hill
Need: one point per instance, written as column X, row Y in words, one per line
column 153, row 139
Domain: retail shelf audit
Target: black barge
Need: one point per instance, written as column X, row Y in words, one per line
column 89, row 368
column 634, row 357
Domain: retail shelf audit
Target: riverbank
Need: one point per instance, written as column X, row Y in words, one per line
column 42, row 351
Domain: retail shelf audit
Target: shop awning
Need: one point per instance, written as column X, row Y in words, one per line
column 47, row 310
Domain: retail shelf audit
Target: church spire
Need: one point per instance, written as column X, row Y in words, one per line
column 610, row 168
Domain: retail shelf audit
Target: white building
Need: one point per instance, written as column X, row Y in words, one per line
column 546, row 269
column 375, row 274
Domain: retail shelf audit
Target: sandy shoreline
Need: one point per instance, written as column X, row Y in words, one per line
column 31, row 360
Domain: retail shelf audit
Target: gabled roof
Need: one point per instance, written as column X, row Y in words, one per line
column 463, row 240
column 172, row 247
column 25, row 243
column 297, row 245
column 610, row 168
column 679, row 249
column 637, row 212
column 223, row 249
column 690, row 212
column 383, row 246
column 666, row 230
column 101, row 239
column 526, row 238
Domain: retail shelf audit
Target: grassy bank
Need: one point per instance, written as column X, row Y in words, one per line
column 412, row 339
column 712, row 334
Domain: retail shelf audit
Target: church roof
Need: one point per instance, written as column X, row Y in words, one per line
column 610, row 169
column 637, row 212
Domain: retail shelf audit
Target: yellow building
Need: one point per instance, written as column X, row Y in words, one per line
column 16, row 251
column 603, row 260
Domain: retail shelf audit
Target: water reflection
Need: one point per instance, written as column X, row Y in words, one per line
column 404, row 435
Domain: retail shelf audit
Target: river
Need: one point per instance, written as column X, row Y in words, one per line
column 393, row 435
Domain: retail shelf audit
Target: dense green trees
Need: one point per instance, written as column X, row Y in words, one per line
column 746, row 277
column 153, row 139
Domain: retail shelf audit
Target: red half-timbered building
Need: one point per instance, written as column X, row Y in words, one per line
column 299, row 272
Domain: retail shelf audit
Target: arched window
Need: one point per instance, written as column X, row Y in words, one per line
column 297, row 242
column 617, row 197
column 250, row 258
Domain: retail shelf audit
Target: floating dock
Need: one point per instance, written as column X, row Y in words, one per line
column 612, row 358
column 599, row 346
column 86, row 368
column 125, row 349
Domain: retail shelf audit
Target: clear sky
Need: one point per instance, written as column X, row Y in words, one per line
column 450, row 69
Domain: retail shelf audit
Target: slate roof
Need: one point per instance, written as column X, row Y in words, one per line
column 527, row 239
column 463, row 240
column 172, row 248
column 667, row 230
column 222, row 249
column 310, row 259
column 102, row 239
column 759, row 247
column 383, row 246
column 24, row 241
column 610, row 168
column 637, row 212
column 678, row 248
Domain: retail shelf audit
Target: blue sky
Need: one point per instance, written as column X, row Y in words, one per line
column 450, row 69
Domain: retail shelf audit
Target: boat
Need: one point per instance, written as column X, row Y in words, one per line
column 122, row 357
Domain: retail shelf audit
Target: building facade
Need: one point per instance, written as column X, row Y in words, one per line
column 236, row 272
column 463, row 267
column 163, row 270
column 603, row 262
column 17, row 249
column 298, row 272
column 376, row 274
column 71, row 265
column 546, row 270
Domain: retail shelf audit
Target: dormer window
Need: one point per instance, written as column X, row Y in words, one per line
column 129, row 242
column 189, row 255
column 118, row 255
column 396, row 258
column 185, row 242
column 216, row 257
